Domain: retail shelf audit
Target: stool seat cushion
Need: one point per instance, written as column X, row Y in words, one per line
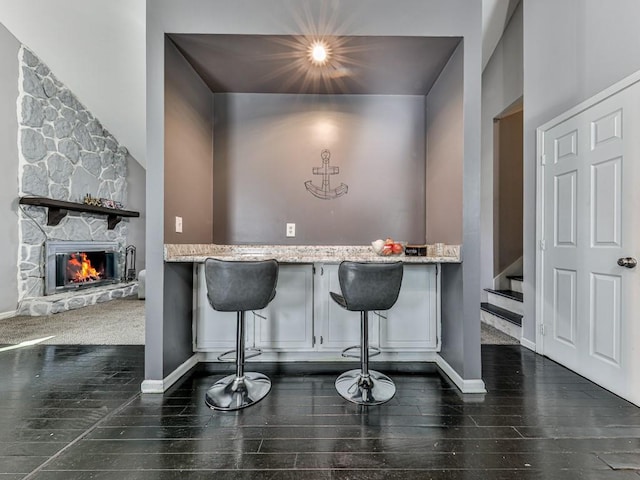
column 369, row 286
column 234, row 286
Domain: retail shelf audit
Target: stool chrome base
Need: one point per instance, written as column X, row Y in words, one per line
column 233, row 392
column 374, row 389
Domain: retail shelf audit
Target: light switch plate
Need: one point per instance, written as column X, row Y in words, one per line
column 291, row 229
column 178, row 224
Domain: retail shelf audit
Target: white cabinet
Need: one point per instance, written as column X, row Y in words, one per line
column 213, row 330
column 286, row 324
column 411, row 323
column 303, row 317
column 337, row 328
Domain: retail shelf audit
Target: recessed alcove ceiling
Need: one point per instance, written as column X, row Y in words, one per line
column 371, row 65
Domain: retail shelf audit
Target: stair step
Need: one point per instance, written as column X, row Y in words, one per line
column 515, row 282
column 517, row 296
column 502, row 313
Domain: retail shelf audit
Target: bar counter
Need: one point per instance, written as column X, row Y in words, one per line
column 197, row 253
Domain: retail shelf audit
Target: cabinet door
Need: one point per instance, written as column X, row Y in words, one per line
column 412, row 322
column 287, row 322
column 215, row 331
column 338, row 328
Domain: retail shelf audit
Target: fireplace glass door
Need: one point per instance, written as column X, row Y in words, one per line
column 84, row 269
column 69, row 265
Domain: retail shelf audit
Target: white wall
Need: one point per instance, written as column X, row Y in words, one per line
column 572, row 50
column 502, row 84
column 95, row 48
column 9, row 48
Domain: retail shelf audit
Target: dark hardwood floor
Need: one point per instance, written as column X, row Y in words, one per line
column 72, row 412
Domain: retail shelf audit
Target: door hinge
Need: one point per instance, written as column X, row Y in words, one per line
column 313, row 270
column 543, row 159
column 542, row 329
column 543, row 245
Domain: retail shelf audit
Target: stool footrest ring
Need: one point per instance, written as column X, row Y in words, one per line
column 249, row 353
column 373, row 351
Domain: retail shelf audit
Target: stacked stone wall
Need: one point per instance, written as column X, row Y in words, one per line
column 65, row 153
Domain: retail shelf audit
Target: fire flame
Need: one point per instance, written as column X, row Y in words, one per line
column 79, row 268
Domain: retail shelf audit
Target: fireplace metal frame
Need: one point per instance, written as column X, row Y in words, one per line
column 54, row 247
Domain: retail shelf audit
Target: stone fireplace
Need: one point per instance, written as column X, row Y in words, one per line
column 65, row 154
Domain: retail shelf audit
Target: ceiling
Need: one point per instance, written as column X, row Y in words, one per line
column 280, row 63
column 106, row 70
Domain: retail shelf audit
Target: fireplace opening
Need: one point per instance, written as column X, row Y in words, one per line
column 74, row 265
column 84, row 268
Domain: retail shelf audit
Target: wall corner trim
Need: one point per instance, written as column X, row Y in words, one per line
column 465, row 386
column 528, row 344
column 161, row 386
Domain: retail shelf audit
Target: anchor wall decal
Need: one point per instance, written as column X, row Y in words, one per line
column 325, row 192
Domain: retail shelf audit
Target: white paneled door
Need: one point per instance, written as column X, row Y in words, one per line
column 589, row 238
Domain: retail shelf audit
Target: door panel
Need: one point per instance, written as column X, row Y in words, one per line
column 564, row 318
column 565, row 209
column 606, row 197
column 605, row 318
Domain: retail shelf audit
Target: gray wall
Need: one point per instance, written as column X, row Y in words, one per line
column 572, row 50
column 266, row 146
column 445, row 153
column 449, row 203
column 188, row 152
column 459, row 18
column 501, row 86
column 9, row 47
column 178, row 306
column 136, row 186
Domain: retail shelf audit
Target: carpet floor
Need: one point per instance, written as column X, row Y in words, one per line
column 492, row 336
column 118, row 322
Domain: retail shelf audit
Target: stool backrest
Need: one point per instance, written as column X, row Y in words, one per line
column 370, row 286
column 234, row 286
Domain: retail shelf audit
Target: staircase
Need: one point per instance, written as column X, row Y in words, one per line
column 504, row 309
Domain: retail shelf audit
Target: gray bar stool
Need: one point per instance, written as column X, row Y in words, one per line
column 366, row 287
column 238, row 286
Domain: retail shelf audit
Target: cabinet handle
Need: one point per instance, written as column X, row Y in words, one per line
column 321, row 340
column 314, row 339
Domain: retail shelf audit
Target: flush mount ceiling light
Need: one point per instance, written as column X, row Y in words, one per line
column 319, row 52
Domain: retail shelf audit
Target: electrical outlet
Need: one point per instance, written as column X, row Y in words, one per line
column 291, row 229
column 178, row 224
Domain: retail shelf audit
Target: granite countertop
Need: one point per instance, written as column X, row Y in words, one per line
column 197, row 253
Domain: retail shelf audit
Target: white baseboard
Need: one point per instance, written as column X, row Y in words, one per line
column 528, row 344
column 161, row 386
column 465, row 386
column 10, row 314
